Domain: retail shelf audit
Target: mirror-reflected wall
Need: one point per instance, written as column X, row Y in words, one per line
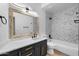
column 23, row 23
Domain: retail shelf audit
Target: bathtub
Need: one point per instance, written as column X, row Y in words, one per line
column 65, row 47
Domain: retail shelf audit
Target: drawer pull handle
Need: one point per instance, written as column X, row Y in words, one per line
column 29, row 54
column 28, row 48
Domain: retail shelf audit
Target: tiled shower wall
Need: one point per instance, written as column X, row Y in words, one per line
column 63, row 26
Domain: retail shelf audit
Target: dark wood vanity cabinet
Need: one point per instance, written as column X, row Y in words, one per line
column 37, row 49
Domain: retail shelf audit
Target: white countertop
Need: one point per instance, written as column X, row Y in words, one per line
column 16, row 44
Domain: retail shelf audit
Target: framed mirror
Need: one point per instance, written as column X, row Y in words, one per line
column 22, row 24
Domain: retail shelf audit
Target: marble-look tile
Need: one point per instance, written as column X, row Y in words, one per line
column 63, row 26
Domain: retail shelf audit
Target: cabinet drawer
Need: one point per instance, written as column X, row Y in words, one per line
column 26, row 51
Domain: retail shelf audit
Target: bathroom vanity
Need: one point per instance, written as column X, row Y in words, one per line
column 38, row 48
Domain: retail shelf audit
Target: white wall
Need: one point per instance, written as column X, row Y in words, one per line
column 48, row 24
column 3, row 28
column 42, row 22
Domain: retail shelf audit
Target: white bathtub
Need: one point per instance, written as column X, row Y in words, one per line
column 65, row 47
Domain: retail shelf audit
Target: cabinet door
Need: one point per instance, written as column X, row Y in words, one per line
column 40, row 49
column 37, row 49
column 44, row 48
